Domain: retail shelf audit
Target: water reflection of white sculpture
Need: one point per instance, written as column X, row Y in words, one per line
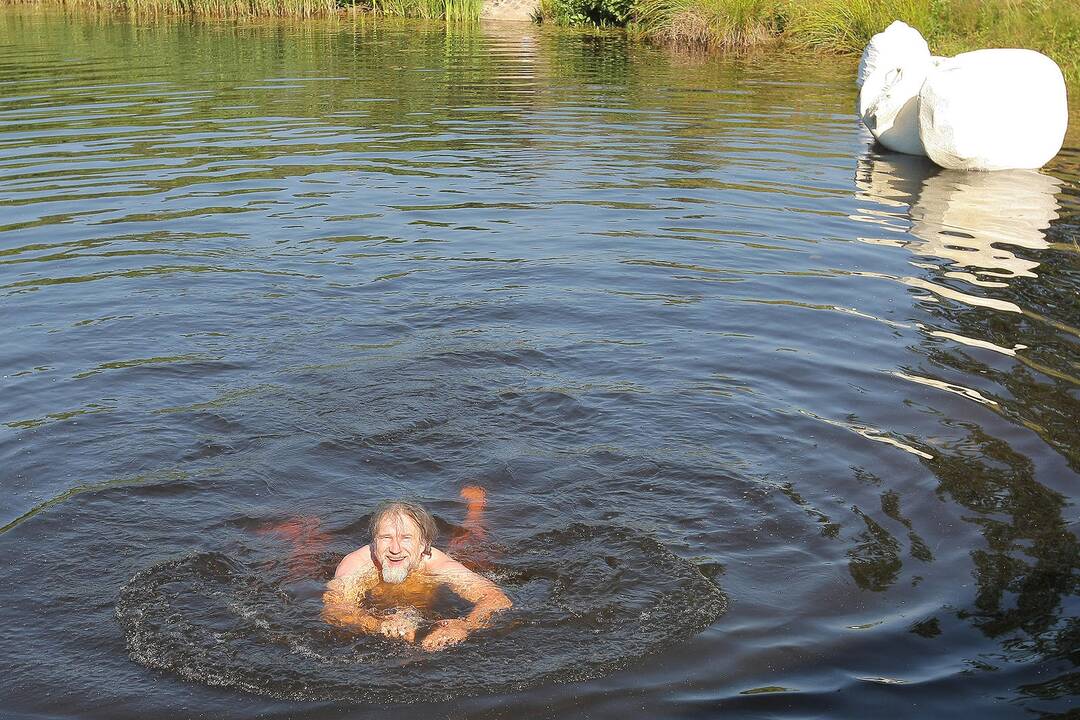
column 968, row 218
column 995, row 109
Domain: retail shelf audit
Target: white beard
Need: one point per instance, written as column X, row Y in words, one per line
column 395, row 575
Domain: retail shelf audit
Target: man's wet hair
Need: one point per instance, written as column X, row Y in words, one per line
column 429, row 532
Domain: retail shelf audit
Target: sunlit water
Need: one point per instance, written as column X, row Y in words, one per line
column 668, row 311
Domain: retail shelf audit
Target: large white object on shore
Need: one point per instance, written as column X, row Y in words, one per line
column 993, row 110
column 982, row 110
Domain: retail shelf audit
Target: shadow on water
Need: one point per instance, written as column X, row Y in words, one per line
column 588, row 600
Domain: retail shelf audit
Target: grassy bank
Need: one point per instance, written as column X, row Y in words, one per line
column 430, row 9
column 840, row 26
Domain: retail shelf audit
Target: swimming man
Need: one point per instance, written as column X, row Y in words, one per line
column 401, row 570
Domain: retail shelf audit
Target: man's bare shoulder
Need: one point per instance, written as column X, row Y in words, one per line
column 442, row 565
column 357, row 561
column 472, row 586
column 438, row 560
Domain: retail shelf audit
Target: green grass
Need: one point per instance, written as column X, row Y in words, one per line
column 842, row 26
column 1049, row 26
column 845, row 26
column 949, row 26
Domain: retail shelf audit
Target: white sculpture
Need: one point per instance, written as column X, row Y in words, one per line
column 892, row 112
column 889, row 49
column 993, row 110
column 983, row 110
column 891, row 71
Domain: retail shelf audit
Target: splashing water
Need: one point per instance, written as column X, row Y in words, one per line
column 587, row 601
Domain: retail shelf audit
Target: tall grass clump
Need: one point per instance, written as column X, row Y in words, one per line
column 710, row 23
column 452, row 10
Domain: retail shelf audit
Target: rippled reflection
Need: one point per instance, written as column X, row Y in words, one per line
column 970, row 219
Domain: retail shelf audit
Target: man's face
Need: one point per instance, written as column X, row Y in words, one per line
column 398, row 547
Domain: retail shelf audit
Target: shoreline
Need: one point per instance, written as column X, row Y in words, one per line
column 734, row 26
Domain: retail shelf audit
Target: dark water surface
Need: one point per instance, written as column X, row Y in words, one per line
column 256, row 278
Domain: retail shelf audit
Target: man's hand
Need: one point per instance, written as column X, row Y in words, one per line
column 445, row 634
column 401, row 625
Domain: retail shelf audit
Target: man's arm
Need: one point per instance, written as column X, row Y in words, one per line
column 355, row 575
column 341, row 602
column 486, row 597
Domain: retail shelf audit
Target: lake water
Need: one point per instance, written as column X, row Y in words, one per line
column 669, row 311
